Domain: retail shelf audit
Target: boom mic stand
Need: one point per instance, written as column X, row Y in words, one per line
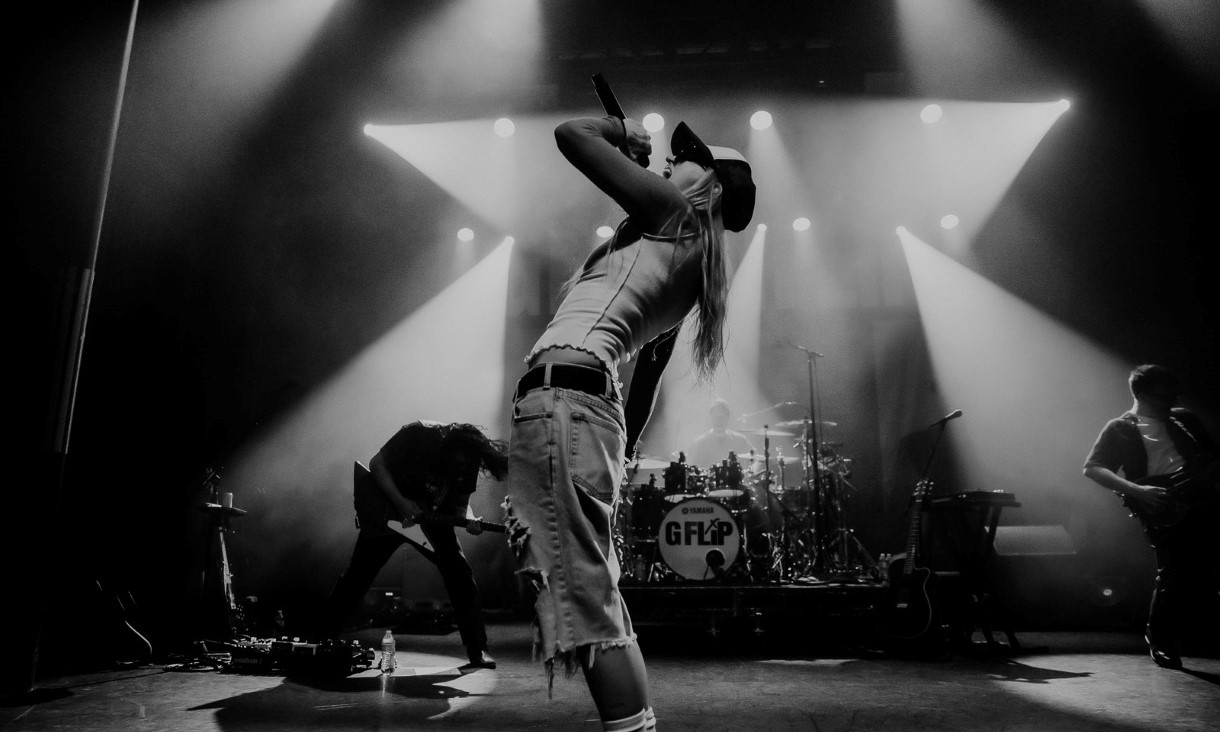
column 813, row 443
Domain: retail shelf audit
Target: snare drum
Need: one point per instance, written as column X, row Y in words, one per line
column 699, row 539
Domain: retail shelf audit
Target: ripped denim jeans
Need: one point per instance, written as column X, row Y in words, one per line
column 565, row 467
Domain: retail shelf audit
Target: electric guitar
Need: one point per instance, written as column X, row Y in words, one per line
column 1186, row 488
column 908, row 615
column 374, row 512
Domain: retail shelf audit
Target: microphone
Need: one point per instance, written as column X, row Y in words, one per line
column 612, row 107
column 951, row 415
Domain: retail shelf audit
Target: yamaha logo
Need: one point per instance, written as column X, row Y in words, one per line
column 698, row 509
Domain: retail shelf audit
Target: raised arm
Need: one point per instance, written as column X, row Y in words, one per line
column 595, row 146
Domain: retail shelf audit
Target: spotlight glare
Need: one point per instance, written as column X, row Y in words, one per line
column 368, row 128
column 605, row 232
column 949, row 221
column 760, row 120
column 509, row 240
column 931, row 114
column 653, row 122
column 1064, row 105
column 465, row 234
column 762, row 227
column 801, row 224
column 504, row 127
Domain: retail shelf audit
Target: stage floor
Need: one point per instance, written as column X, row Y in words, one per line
column 699, row 681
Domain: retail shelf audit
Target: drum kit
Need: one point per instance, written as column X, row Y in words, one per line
column 746, row 519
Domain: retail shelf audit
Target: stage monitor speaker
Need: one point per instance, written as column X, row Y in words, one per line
column 1033, row 541
column 1038, row 575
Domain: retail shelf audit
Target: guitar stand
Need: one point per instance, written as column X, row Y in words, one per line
column 969, row 527
column 217, row 570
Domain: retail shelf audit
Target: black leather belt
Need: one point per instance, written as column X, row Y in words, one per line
column 587, row 379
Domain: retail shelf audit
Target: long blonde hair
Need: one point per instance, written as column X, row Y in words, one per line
column 707, row 349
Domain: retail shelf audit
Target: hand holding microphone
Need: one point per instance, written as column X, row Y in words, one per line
column 638, row 143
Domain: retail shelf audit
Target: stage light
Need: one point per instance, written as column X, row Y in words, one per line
column 504, row 127
column 762, row 227
column 931, row 113
column 1064, row 105
column 760, row 120
column 949, row 221
column 465, row 234
column 605, row 232
column 801, row 224
column 653, row 122
column 509, row 241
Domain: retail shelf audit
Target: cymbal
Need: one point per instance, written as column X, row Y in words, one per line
column 649, row 464
column 802, row 422
column 769, row 432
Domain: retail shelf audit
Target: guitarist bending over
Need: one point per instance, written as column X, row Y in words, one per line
column 1167, row 461
column 425, row 471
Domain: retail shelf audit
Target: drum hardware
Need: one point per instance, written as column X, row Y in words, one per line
column 811, row 443
column 802, row 423
column 740, row 520
column 767, row 432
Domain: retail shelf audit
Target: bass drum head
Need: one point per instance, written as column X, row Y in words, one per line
column 698, row 537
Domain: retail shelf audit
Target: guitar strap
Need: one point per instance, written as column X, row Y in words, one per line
column 1178, row 423
column 438, row 495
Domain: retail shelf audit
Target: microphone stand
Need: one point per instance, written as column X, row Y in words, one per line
column 923, row 475
column 812, row 443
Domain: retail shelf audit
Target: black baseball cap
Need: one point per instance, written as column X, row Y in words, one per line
column 732, row 170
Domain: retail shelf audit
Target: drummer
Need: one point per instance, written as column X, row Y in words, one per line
column 715, row 445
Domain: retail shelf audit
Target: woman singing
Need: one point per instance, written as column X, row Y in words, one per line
column 570, row 428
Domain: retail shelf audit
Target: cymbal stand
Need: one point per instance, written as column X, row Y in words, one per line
column 785, row 557
column 813, row 473
column 845, row 554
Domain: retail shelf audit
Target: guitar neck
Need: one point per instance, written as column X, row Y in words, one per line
column 440, row 518
column 921, row 490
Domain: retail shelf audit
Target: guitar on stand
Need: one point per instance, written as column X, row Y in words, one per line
column 908, row 613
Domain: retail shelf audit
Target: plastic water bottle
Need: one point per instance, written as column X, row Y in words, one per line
column 389, row 650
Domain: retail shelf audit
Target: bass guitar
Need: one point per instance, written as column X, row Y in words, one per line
column 1186, row 490
column 908, row 612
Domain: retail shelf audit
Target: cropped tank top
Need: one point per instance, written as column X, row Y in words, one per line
column 631, row 289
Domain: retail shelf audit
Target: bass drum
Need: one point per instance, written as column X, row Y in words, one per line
column 699, row 539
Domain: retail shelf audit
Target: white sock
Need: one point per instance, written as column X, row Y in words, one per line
column 650, row 720
column 634, row 723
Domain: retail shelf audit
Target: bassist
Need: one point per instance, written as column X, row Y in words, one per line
column 425, row 468
column 1160, row 460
